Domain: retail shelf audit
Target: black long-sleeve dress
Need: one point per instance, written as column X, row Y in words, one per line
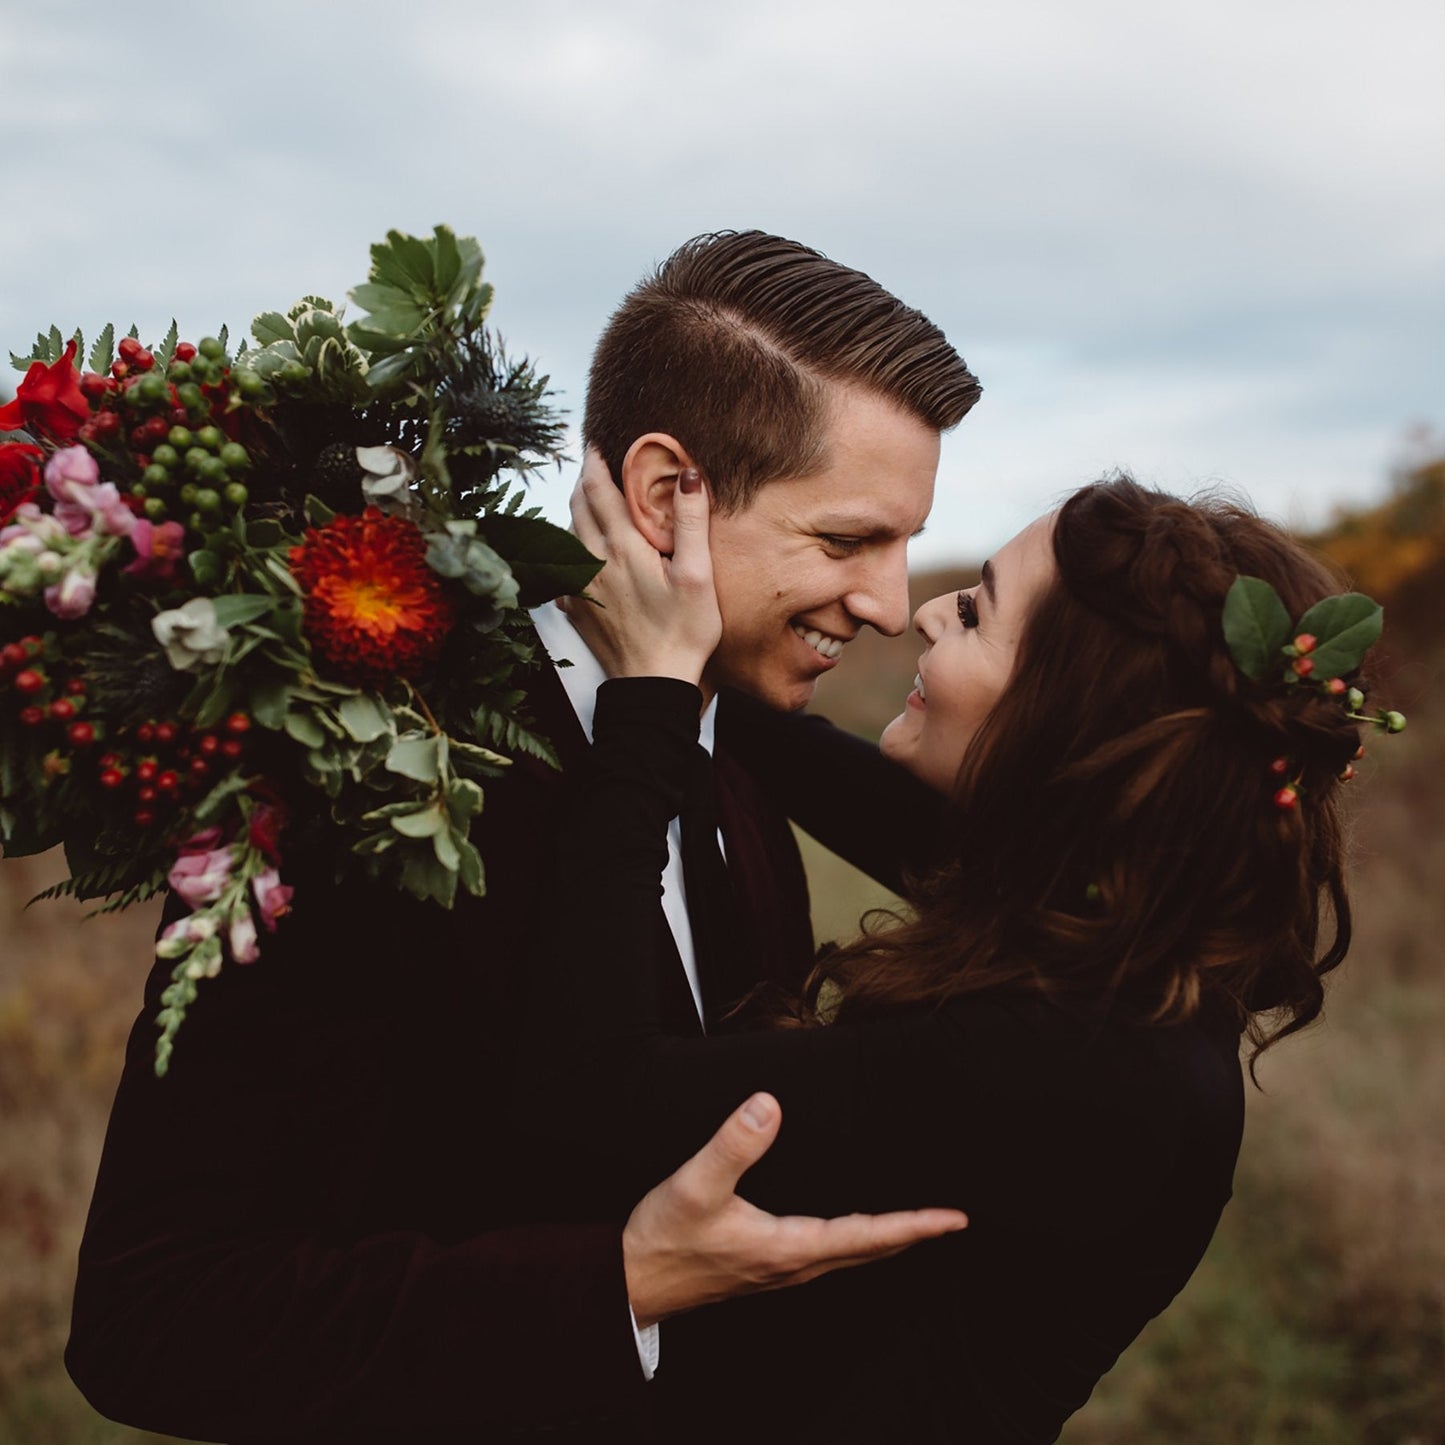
column 1092, row 1157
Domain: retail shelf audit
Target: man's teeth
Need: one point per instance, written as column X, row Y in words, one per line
column 820, row 642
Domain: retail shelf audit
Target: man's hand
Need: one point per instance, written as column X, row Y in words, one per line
column 691, row 1241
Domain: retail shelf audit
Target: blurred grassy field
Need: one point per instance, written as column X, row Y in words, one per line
column 1318, row 1315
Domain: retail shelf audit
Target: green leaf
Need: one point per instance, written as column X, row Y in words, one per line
column 420, row 824
column 444, row 845
column 1256, row 626
column 469, row 868
column 269, row 703
column 167, row 348
column 425, row 878
column 447, row 259
column 317, row 512
column 217, row 703
column 391, row 368
column 305, row 729
column 415, row 757
column 546, row 561
column 102, row 354
column 464, row 801
column 233, row 609
column 363, row 718
column 272, row 326
column 264, row 532
column 1345, row 628
column 414, row 256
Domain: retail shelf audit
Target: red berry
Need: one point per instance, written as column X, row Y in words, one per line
column 1335, row 686
column 129, row 348
column 143, row 360
column 29, row 681
column 144, row 817
column 238, row 722
column 146, row 794
column 1303, row 666
column 1359, row 752
column 1305, row 642
column 1279, row 767
column 184, row 351
column 1285, row 799
column 165, row 733
column 146, row 770
column 232, row 748
column 111, row 778
column 200, row 768
column 81, row 734
column 105, row 424
column 13, row 655
column 93, row 385
column 119, row 370
column 168, row 781
column 76, row 687
column 32, row 716
column 62, row 709
column 33, row 645
column 145, row 733
column 1348, row 773
column 207, row 744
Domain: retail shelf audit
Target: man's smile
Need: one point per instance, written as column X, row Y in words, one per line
column 823, row 643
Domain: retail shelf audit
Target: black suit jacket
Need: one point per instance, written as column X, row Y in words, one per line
column 327, row 1222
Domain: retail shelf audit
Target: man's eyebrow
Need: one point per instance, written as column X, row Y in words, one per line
column 988, row 578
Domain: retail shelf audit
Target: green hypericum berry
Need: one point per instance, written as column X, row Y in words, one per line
column 152, row 388
column 211, row 437
column 236, row 457
column 1355, row 698
column 166, row 455
column 249, row 384
column 213, row 470
column 180, row 438
column 139, row 489
column 155, row 476
column 236, row 494
column 1394, row 722
column 155, row 509
column 211, row 348
column 188, row 494
column 208, row 499
column 189, row 396
column 195, row 456
column 179, row 371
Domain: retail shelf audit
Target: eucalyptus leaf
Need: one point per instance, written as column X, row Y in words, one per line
column 415, row 757
column 363, row 718
column 1256, row 626
column 304, row 729
column 269, row 702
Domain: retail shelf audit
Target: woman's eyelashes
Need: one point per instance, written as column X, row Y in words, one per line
column 967, row 610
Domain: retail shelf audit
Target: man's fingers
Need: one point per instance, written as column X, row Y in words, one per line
column 711, row 1176
column 818, row 1246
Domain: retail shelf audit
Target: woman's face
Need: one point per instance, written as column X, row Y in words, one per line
column 972, row 638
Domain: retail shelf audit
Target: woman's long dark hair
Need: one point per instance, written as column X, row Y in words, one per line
column 1114, row 839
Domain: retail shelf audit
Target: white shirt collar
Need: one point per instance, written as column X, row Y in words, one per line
column 581, row 681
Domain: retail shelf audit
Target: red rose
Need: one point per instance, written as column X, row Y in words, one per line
column 19, row 476
column 49, row 400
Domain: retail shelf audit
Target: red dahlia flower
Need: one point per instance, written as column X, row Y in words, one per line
column 374, row 608
column 49, row 400
column 19, row 476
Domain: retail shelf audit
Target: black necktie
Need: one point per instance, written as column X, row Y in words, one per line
column 723, row 970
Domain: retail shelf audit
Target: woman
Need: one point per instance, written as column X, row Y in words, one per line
column 1137, row 859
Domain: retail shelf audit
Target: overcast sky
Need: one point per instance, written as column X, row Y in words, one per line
column 1205, row 242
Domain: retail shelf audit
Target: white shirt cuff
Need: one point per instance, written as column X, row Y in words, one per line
column 647, row 1345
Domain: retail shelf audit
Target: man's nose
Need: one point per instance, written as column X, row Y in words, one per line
column 881, row 596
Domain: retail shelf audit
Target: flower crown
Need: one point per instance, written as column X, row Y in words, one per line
column 1329, row 641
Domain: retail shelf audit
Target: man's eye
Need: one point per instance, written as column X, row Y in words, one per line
column 967, row 610
column 846, row 545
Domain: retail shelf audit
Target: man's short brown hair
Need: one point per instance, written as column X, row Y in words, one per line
column 731, row 347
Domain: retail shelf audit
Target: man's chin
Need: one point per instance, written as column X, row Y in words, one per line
column 780, row 694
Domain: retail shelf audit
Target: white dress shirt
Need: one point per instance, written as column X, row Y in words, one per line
column 580, row 682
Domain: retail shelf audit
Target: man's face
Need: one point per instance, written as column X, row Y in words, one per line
column 812, row 559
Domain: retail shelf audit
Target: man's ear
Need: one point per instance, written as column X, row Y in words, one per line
column 649, row 479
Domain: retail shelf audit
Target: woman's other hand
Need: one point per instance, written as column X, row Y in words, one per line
column 649, row 615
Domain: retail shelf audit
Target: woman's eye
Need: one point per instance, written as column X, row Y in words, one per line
column 967, row 610
column 846, row 545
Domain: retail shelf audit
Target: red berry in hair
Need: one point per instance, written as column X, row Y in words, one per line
column 32, row 716
column 81, row 734
column 1305, row 642
column 1348, row 773
column 1285, row 799
column 62, row 709
column 1279, row 767
column 29, row 681
column 1303, row 666
column 1359, row 752
column 111, row 778
column 1335, row 686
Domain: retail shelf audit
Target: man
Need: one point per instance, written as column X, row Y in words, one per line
column 323, row 1225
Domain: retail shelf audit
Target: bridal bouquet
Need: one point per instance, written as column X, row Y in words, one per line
column 258, row 601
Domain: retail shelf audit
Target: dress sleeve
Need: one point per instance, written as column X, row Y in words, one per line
column 941, row 1107
column 882, row 819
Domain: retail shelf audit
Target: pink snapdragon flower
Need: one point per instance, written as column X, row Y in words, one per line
column 83, row 503
column 73, row 595
column 201, row 877
column 242, row 936
column 273, row 897
column 157, row 549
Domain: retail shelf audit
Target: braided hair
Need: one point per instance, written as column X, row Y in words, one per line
column 1112, row 838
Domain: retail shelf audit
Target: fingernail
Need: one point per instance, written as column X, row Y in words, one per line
column 690, row 480
column 756, row 1113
